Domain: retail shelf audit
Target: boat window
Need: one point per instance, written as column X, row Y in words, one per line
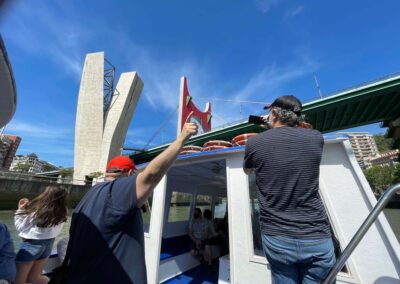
column 220, row 206
column 201, row 177
column 255, row 213
column 146, row 213
column 203, row 202
column 179, row 206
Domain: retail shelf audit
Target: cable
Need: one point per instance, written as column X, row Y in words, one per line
column 161, row 127
column 232, row 101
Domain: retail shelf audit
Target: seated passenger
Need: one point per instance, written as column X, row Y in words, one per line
column 7, row 256
column 219, row 238
column 198, row 233
column 212, row 235
column 223, row 231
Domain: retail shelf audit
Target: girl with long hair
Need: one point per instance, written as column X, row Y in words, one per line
column 38, row 222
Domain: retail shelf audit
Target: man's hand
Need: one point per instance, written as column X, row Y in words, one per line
column 22, row 202
column 151, row 176
column 265, row 119
column 198, row 244
column 189, row 129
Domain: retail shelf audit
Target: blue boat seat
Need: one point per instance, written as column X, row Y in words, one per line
column 174, row 246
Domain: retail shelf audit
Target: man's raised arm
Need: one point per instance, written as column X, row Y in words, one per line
column 148, row 179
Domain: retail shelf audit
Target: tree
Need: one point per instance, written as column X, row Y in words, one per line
column 23, row 167
column 95, row 174
column 383, row 143
column 397, row 173
column 48, row 168
column 66, row 172
column 381, row 177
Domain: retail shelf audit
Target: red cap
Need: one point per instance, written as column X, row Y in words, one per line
column 121, row 162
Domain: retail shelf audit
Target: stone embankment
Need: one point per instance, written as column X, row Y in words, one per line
column 14, row 186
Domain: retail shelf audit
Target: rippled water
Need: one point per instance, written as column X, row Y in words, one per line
column 7, row 217
column 393, row 217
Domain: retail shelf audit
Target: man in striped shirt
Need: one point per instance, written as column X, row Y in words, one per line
column 294, row 225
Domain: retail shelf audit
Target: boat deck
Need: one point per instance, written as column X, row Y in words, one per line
column 197, row 275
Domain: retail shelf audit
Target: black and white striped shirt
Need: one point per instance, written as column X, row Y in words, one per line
column 286, row 162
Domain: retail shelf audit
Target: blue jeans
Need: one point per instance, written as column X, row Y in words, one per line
column 31, row 250
column 294, row 260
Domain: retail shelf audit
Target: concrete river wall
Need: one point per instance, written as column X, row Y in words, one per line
column 13, row 187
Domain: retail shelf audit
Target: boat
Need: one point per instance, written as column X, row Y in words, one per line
column 218, row 174
column 214, row 179
column 8, row 90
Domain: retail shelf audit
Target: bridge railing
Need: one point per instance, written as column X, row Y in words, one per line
column 358, row 86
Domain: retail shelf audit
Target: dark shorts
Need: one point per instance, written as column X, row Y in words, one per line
column 31, row 250
column 194, row 247
column 215, row 241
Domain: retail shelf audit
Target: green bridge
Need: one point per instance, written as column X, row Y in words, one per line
column 378, row 101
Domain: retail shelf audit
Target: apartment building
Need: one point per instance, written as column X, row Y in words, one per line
column 388, row 158
column 8, row 147
column 33, row 164
column 363, row 144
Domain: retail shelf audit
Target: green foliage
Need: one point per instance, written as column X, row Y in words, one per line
column 381, row 177
column 96, row 174
column 23, row 167
column 47, row 168
column 383, row 144
column 66, row 172
column 397, row 173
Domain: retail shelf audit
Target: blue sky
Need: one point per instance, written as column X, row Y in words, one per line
column 251, row 50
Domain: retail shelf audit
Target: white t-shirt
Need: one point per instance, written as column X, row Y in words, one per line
column 26, row 226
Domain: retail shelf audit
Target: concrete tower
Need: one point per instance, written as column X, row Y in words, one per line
column 101, row 126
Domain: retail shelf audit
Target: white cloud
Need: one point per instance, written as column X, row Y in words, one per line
column 45, row 150
column 66, row 43
column 294, row 12
column 136, row 137
column 50, row 33
column 53, row 144
column 27, row 129
column 265, row 5
column 161, row 90
column 162, row 77
column 263, row 87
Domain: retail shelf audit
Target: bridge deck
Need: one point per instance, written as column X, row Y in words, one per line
column 370, row 103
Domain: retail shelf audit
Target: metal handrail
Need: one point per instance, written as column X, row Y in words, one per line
column 380, row 205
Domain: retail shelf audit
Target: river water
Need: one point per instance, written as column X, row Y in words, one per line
column 7, row 217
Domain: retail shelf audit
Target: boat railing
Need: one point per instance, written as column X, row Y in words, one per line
column 380, row 205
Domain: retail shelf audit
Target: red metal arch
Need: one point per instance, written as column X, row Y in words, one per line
column 186, row 105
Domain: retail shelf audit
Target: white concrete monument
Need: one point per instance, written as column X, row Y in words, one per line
column 100, row 132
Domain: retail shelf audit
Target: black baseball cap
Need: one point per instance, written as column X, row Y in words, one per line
column 286, row 102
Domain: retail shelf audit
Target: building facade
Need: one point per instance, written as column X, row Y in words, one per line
column 31, row 164
column 388, row 158
column 364, row 146
column 8, row 147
